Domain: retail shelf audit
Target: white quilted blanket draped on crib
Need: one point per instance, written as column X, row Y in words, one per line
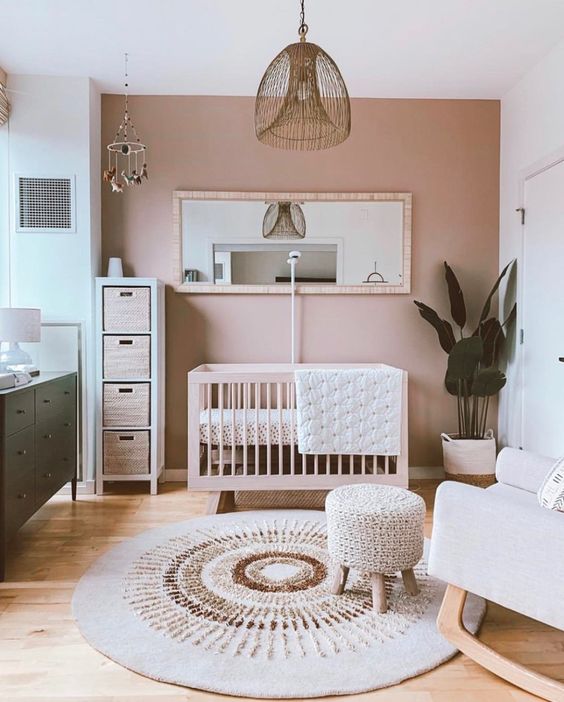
column 349, row 411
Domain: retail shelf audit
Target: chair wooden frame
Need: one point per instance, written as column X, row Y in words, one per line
column 451, row 626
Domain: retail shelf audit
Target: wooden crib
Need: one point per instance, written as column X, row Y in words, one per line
column 242, row 435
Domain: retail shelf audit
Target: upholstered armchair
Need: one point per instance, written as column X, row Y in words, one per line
column 501, row 544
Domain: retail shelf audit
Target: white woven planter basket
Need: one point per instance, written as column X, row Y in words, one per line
column 470, row 461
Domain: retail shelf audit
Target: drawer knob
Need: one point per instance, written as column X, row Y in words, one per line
column 47, row 436
column 65, row 460
column 67, row 392
column 47, row 401
column 22, row 452
column 20, row 411
column 46, row 475
column 67, row 424
column 22, row 496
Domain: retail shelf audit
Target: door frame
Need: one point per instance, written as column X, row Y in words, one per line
column 542, row 165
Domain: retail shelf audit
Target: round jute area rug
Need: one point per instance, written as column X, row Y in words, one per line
column 240, row 604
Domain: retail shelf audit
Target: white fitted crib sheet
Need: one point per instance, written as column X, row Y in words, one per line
column 251, row 421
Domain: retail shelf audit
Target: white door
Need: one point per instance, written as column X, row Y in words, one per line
column 543, row 313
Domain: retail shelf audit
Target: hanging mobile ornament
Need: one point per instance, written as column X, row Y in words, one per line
column 126, row 151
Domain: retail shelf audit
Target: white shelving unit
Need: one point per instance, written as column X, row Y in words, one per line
column 130, row 382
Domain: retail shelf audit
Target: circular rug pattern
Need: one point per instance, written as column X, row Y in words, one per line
column 240, row 604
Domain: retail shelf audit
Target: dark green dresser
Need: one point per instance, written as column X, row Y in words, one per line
column 37, row 449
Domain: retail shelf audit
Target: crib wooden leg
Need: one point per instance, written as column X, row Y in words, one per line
column 219, row 502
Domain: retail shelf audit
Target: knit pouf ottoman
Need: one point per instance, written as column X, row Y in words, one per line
column 377, row 529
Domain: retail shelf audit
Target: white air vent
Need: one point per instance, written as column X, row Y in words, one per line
column 45, row 204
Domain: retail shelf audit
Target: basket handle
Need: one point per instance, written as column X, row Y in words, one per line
column 488, row 435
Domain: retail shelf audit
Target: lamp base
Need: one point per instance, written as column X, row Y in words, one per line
column 13, row 358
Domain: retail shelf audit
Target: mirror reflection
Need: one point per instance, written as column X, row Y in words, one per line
column 247, row 242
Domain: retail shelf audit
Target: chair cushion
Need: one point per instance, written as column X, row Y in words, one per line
column 551, row 492
column 522, row 469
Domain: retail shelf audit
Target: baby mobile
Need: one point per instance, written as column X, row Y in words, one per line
column 126, row 153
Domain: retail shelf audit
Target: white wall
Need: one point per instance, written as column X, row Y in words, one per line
column 532, row 129
column 54, row 131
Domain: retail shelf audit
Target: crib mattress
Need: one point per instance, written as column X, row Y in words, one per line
column 251, row 432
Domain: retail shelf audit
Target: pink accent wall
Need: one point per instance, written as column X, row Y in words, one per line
column 446, row 152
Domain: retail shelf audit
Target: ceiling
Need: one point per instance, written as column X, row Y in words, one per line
column 391, row 48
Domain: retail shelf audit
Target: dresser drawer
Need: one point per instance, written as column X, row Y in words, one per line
column 19, row 498
column 127, row 309
column 53, row 399
column 55, row 438
column 51, row 478
column 19, row 412
column 20, row 452
column 55, row 464
column 127, row 357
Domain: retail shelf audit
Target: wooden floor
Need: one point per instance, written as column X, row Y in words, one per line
column 43, row 656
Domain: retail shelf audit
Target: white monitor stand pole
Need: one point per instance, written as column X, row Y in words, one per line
column 292, row 261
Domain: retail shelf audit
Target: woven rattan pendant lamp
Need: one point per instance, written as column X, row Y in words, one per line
column 302, row 101
column 284, row 220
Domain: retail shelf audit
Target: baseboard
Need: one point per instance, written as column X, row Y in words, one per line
column 176, row 475
column 88, row 487
column 427, row 472
column 180, row 475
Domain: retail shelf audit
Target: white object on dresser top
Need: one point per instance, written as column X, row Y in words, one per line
column 349, row 411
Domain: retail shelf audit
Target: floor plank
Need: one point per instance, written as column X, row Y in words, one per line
column 43, row 657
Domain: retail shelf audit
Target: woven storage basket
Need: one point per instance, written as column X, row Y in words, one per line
column 470, row 461
column 127, row 404
column 127, row 357
column 127, row 309
column 126, row 453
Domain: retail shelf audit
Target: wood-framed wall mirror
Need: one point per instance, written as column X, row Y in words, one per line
column 239, row 242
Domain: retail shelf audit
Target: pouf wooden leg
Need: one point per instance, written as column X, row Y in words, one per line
column 409, row 582
column 379, row 600
column 340, row 580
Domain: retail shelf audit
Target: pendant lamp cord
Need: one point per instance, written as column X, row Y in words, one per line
column 303, row 28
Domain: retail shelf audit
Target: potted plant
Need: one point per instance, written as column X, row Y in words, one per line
column 473, row 377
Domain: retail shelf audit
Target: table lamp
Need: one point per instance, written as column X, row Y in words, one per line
column 17, row 325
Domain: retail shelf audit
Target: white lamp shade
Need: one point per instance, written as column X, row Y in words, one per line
column 20, row 324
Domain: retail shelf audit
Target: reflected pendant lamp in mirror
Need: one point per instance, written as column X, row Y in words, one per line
column 302, row 101
column 284, row 220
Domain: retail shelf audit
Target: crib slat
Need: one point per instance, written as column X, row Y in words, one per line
column 328, row 464
column 292, row 434
column 340, row 464
column 304, row 464
column 316, row 464
column 246, row 391
column 268, row 446
column 209, row 401
column 386, row 465
column 257, row 407
column 220, row 406
column 233, row 440
column 363, row 464
column 279, row 402
column 351, row 465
